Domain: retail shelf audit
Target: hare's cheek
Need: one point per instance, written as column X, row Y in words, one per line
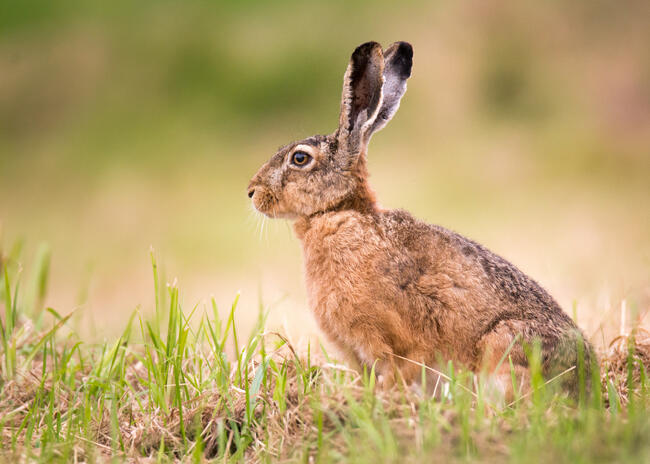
column 292, row 199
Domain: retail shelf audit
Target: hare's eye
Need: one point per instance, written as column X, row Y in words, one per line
column 300, row 158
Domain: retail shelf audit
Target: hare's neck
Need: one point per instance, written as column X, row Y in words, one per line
column 361, row 201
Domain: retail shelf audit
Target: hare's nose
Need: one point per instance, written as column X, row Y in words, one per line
column 251, row 192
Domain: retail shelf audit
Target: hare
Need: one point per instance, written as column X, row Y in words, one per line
column 388, row 289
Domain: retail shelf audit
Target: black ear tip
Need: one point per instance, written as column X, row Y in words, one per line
column 400, row 55
column 366, row 48
column 405, row 49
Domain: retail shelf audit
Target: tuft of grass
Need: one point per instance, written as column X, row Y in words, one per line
column 185, row 385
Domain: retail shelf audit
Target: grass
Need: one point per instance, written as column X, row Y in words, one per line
column 185, row 385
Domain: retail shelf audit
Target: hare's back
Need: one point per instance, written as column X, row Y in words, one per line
column 468, row 274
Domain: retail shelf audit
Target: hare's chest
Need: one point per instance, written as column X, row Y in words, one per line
column 340, row 256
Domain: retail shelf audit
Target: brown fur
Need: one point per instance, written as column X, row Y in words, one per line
column 384, row 285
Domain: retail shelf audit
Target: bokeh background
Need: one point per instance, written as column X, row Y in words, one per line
column 126, row 125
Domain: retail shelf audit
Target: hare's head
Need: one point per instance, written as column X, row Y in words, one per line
column 328, row 172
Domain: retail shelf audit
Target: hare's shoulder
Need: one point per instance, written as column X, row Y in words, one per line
column 416, row 237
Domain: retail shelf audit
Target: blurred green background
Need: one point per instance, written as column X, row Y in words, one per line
column 125, row 125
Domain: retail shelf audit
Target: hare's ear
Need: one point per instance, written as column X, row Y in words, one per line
column 398, row 60
column 361, row 97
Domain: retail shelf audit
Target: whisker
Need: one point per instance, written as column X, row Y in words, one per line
column 262, row 227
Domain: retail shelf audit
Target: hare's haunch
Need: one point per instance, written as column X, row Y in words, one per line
column 385, row 286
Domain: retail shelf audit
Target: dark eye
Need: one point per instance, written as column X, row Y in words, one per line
column 300, row 158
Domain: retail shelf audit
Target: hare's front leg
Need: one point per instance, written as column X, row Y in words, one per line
column 365, row 345
column 390, row 367
column 374, row 353
column 346, row 354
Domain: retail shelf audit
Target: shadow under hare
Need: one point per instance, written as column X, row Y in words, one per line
column 385, row 286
